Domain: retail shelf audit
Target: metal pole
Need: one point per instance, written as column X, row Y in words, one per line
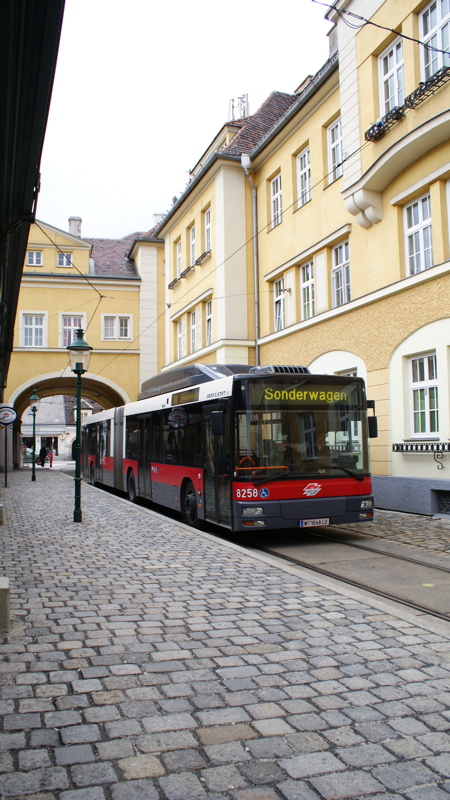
column 6, row 455
column 33, row 464
column 77, row 516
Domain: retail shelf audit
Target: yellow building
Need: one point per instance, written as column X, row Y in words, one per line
column 70, row 283
column 329, row 241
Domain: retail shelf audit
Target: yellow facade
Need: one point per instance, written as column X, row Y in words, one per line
column 60, row 292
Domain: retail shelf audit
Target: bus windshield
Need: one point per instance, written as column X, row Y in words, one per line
column 299, row 426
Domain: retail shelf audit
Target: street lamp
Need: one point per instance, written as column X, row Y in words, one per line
column 34, row 403
column 79, row 354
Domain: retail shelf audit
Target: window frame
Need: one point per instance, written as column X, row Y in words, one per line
column 43, row 327
column 207, row 221
column 178, row 258
column 63, row 329
column 208, row 327
column 334, row 147
column 340, row 275
column 193, row 330
column 397, row 96
column 279, row 305
column 417, row 234
column 429, row 389
column 67, row 258
column 192, row 252
column 118, row 318
column 276, row 203
column 307, row 290
column 303, row 177
column 34, row 262
column 432, row 61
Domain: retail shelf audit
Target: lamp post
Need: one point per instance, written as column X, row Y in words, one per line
column 79, row 354
column 34, row 403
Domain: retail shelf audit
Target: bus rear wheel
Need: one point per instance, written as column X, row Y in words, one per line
column 131, row 487
column 189, row 506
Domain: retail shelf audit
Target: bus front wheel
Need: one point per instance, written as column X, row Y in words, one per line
column 189, row 507
column 131, row 487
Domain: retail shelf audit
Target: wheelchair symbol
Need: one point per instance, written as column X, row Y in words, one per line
column 264, row 493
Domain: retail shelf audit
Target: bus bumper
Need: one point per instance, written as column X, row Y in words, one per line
column 302, row 513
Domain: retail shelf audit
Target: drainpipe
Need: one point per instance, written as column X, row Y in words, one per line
column 245, row 162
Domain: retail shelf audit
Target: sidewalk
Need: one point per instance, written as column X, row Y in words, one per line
column 148, row 661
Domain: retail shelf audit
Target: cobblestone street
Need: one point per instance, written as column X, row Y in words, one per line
column 149, row 661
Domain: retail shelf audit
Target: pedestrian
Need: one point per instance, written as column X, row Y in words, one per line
column 42, row 456
column 50, row 457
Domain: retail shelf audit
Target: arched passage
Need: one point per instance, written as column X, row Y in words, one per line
column 102, row 391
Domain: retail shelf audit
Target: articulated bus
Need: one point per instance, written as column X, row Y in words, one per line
column 242, row 447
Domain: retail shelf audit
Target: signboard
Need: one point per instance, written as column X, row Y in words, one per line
column 7, row 415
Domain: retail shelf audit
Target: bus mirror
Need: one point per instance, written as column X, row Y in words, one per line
column 217, row 423
column 373, row 427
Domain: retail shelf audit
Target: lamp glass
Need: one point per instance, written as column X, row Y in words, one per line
column 34, row 400
column 79, row 353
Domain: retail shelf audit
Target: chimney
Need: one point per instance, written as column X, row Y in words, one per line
column 75, row 226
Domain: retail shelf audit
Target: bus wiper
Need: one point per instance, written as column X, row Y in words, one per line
column 281, row 476
column 345, row 469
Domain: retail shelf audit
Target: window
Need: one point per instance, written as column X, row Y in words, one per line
column 279, row 304
column 34, row 258
column 275, row 201
column 207, row 230
column 33, row 330
column 180, row 338
column 193, row 332
column 303, row 177
column 335, row 150
column 192, row 245
column 340, row 275
column 392, row 86
column 209, row 337
column 419, row 244
column 178, row 257
column 70, row 326
column 435, row 34
column 307, row 290
column 64, row 259
column 424, row 390
column 116, row 327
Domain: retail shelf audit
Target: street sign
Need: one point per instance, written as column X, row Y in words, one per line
column 7, row 415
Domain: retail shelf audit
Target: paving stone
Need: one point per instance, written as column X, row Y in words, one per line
column 315, row 764
column 20, row 784
column 339, row 786
column 92, row 793
column 135, row 790
column 181, row 760
column 404, row 775
column 296, row 790
column 223, row 778
column 182, row 786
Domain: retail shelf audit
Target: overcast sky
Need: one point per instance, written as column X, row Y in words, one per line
column 141, row 89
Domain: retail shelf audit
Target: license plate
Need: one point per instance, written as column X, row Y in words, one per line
column 311, row 523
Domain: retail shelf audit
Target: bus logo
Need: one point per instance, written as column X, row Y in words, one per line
column 264, row 493
column 312, row 489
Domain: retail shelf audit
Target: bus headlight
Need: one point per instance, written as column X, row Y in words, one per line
column 252, row 511
column 366, row 503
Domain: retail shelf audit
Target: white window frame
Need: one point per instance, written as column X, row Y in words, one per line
column 303, row 162
column 35, row 258
column 178, row 257
column 418, row 235
column 65, row 258
column 209, row 321
column 192, row 244
column 207, row 230
column 117, row 334
column 279, row 309
column 69, row 324
column 424, row 395
column 340, row 274
column 335, row 150
column 276, row 207
column 391, row 77
column 37, row 323
column 180, row 339
column 307, row 290
column 193, row 332
column 435, row 33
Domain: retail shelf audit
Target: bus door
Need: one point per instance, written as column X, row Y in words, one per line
column 145, row 489
column 217, row 465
